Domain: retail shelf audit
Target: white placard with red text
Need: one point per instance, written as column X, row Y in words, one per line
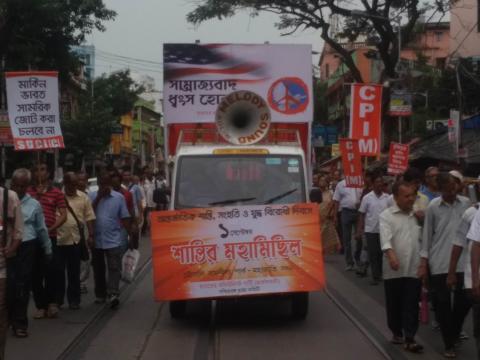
column 33, row 110
column 352, row 163
column 398, row 158
column 365, row 117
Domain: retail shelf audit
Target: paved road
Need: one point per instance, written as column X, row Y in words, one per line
column 367, row 305
column 346, row 322
column 143, row 329
column 251, row 329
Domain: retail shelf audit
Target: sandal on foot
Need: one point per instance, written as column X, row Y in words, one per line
column 20, row 333
column 413, row 347
column 450, row 354
column 397, row 340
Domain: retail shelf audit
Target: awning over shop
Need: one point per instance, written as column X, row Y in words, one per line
column 439, row 148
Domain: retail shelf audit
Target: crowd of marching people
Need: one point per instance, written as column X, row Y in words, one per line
column 417, row 233
column 414, row 233
column 53, row 234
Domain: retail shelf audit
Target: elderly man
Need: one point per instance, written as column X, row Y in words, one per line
column 442, row 218
column 11, row 226
column 400, row 235
column 20, row 275
column 70, row 235
column 430, row 188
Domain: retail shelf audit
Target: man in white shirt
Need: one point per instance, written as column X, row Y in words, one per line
column 400, row 235
column 474, row 237
column 347, row 199
column 149, row 184
column 442, row 218
column 371, row 207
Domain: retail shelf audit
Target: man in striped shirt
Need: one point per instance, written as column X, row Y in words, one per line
column 46, row 279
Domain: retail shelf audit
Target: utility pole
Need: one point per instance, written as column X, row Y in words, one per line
column 399, row 31
column 460, row 105
column 3, row 107
column 142, row 150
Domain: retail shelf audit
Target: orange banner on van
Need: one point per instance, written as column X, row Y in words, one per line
column 236, row 251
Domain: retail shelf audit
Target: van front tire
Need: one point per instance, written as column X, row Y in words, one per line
column 299, row 305
column 177, row 309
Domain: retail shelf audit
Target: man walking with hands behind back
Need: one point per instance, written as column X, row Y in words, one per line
column 400, row 236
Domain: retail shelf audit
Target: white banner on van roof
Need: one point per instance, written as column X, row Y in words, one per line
column 198, row 76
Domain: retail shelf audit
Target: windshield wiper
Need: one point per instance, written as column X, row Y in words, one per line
column 281, row 196
column 230, row 201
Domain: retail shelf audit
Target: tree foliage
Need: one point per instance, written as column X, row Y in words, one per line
column 90, row 131
column 376, row 20
column 38, row 34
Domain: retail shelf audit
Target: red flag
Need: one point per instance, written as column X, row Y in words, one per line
column 352, row 163
column 365, row 117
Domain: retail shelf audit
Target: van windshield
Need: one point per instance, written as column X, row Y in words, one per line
column 228, row 180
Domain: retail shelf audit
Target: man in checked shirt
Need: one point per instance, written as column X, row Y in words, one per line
column 46, row 278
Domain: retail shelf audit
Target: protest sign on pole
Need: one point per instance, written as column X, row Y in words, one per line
column 365, row 117
column 33, row 110
column 398, row 158
column 205, row 253
column 400, row 103
column 6, row 138
column 352, row 162
column 335, row 150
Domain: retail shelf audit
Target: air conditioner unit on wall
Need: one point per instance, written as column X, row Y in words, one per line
column 437, row 124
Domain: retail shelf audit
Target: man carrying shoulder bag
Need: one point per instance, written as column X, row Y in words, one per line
column 71, row 240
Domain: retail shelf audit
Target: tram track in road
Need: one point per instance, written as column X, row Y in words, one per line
column 208, row 342
column 214, row 327
column 76, row 348
column 368, row 330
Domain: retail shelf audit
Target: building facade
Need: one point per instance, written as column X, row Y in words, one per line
column 86, row 54
column 431, row 46
column 465, row 29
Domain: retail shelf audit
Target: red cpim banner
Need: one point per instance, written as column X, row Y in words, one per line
column 365, row 117
column 398, row 158
column 352, row 162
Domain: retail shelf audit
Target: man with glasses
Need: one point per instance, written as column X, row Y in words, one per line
column 430, row 188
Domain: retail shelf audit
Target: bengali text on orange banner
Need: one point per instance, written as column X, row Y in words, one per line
column 236, row 251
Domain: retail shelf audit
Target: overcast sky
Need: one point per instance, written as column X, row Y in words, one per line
column 142, row 26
